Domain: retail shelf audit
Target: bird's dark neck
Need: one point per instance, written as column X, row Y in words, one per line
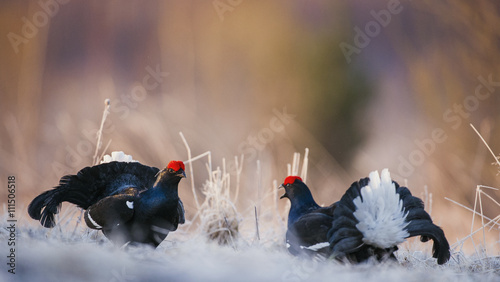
column 301, row 206
column 166, row 186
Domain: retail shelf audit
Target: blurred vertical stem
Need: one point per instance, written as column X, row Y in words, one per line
column 191, row 169
column 107, row 105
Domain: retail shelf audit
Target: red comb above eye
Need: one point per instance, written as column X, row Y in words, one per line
column 291, row 179
column 176, row 165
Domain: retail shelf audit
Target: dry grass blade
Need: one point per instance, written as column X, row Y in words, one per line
column 305, row 163
column 107, row 105
column 239, row 168
column 257, row 233
column 487, row 146
column 477, row 210
column 191, row 174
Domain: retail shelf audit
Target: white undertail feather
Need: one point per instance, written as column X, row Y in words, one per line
column 381, row 214
column 118, row 156
column 317, row 246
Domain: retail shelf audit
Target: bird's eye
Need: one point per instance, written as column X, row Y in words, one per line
column 171, row 170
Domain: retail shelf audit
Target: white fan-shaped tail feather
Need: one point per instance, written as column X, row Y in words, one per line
column 117, row 156
column 380, row 212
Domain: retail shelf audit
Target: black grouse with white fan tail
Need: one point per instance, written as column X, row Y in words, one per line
column 373, row 217
column 128, row 201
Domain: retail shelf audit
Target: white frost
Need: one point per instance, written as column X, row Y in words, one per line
column 381, row 214
column 117, row 156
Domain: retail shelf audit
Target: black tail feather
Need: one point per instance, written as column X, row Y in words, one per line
column 90, row 185
column 44, row 207
column 420, row 224
column 346, row 241
column 428, row 230
column 344, row 238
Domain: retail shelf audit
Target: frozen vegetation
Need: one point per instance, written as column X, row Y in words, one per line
column 223, row 242
column 220, row 243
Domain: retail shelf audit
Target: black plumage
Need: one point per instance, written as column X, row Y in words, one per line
column 128, row 201
column 345, row 238
column 308, row 223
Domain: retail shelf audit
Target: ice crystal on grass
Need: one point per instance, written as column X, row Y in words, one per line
column 72, row 252
column 218, row 214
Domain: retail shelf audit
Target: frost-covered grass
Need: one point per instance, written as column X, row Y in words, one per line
column 219, row 243
column 63, row 255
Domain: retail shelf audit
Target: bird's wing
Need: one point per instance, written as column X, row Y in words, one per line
column 92, row 184
column 420, row 224
column 110, row 211
column 309, row 232
column 175, row 218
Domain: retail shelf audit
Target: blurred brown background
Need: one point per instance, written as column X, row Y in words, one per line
column 225, row 73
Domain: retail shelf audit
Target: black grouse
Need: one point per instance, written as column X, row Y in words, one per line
column 308, row 223
column 370, row 220
column 128, row 201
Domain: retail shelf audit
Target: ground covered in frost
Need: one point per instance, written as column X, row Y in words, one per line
column 63, row 255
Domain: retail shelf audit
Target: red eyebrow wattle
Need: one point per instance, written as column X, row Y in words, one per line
column 291, row 179
column 176, row 165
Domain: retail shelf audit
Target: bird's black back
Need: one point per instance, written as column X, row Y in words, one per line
column 90, row 185
column 97, row 182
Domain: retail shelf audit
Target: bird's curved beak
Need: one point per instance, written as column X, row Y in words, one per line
column 284, row 195
column 181, row 174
